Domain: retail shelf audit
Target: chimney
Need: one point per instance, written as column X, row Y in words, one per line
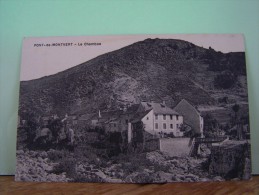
column 163, row 102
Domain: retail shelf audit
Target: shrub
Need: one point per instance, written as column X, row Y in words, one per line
column 161, row 167
column 225, row 80
column 57, row 155
column 66, row 165
column 92, row 178
column 133, row 163
column 143, row 178
column 129, row 168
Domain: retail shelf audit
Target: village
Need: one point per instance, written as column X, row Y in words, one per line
column 149, row 133
column 138, row 125
column 146, row 126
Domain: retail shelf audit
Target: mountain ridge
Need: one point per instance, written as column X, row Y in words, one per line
column 152, row 69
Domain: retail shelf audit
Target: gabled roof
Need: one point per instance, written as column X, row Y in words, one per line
column 158, row 108
column 190, row 114
column 112, row 120
column 132, row 109
column 109, row 119
column 88, row 117
column 111, row 114
column 73, row 117
column 185, row 106
column 140, row 115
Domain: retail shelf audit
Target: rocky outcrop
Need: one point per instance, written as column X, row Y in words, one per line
column 150, row 167
column 231, row 160
column 35, row 166
column 161, row 168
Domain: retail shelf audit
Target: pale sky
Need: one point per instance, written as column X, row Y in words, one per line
column 39, row 61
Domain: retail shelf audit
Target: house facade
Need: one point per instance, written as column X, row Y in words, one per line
column 160, row 119
column 89, row 120
column 157, row 119
column 114, row 120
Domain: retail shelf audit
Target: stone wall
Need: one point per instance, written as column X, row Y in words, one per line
column 175, row 146
column 152, row 145
column 231, row 160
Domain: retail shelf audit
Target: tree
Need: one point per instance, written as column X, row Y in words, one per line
column 210, row 125
column 235, row 108
column 239, row 124
column 225, row 80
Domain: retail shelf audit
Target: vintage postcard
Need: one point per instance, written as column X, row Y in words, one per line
column 133, row 109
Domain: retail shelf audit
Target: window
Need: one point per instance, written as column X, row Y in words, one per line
column 164, row 126
column 164, row 116
column 171, row 126
column 156, row 125
column 156, row 116
column 177, row 126
column 147, row 118
column 177, row 117
column 171, row 117
column 126, row 121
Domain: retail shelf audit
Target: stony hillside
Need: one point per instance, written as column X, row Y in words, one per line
column 153, row 69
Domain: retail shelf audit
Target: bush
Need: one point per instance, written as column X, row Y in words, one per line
column 225, row 80
column 66, row 165
column 133, row 163
column 143, row 178
column 210, row 125
column 161, row 167
column 92, row 178
column 130, row 167
column 57, row 155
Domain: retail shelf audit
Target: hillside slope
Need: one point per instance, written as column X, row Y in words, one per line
column 153, row 69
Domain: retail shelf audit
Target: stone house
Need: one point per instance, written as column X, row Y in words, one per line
column 112, row 121
column 161, row 119
column 72, row 119
column 87, row 120
column 157, row 120
column 192, row 117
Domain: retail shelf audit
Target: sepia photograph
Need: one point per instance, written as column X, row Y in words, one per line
column 133, row 109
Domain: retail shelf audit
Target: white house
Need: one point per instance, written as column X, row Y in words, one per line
column 159, row 119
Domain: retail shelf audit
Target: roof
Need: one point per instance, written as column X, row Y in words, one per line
column 106, row 120
column 190, row 114
column 87, row 117
column 140, row 115
column 45, row 117
column 184, row 105
column 132, row 109
column 158, row 108
column 73, row 117
column 111, row 114
column 112, row 120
